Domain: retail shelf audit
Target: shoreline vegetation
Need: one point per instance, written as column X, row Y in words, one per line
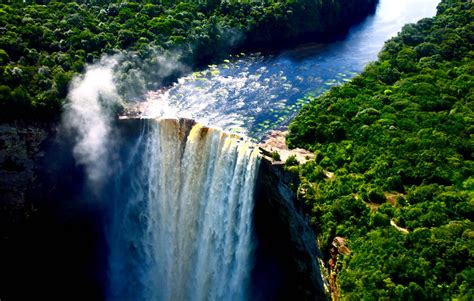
column 44, row 44
column 398, row 140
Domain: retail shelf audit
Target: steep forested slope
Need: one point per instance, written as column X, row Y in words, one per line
column 399, row 140
column 44, row 43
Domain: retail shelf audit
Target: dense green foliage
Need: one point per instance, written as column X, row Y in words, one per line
column 399, row 140
column 44, row 43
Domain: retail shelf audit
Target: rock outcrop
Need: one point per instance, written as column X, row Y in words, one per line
column 276, row 142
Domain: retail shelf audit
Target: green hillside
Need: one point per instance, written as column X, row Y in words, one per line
column 394, row 172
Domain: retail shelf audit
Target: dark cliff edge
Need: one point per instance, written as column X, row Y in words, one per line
column 287, row 252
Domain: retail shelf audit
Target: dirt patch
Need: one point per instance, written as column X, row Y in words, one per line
column 392, row 197
column 275, row 141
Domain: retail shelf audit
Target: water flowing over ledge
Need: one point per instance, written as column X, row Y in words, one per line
column 182, row 222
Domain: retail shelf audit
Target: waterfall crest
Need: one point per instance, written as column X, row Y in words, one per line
column 181, row 227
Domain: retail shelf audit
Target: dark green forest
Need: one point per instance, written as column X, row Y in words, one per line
column 393, row 172
column 43, row 44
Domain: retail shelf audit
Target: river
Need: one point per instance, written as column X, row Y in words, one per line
column 253, row 94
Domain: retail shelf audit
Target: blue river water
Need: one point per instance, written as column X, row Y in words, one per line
column 253, row 94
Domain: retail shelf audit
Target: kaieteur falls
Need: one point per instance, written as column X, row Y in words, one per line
column 263, row 150
column 180, row 197
column 180, row 194
column 182, row 227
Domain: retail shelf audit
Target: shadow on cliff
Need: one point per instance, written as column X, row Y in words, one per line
column 57, row 251
column 286, row 266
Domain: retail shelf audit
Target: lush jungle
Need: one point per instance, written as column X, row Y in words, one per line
column 393, row 174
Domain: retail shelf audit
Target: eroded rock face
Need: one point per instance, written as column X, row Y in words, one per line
column 49, row 243
column 287, row 244
column 20, row 150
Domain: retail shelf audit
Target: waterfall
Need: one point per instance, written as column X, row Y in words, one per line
column 181, row 227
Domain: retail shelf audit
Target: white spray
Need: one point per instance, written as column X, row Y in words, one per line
column 88, row 115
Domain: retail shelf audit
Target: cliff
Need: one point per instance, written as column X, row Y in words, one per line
column 20, row 150
column 51, row 243
column 287, row 243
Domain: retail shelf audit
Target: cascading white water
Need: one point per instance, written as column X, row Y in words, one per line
column 182, row 225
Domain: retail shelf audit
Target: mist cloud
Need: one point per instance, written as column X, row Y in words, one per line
column 94, row 97
column 88, row 116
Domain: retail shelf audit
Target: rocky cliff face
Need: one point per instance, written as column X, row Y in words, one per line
column 287, row 244
column 50, row 241
column 20, row 150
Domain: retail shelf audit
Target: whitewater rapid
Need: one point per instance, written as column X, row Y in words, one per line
column 182, row 221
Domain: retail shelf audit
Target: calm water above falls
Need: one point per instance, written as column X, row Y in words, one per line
column 252, row 94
